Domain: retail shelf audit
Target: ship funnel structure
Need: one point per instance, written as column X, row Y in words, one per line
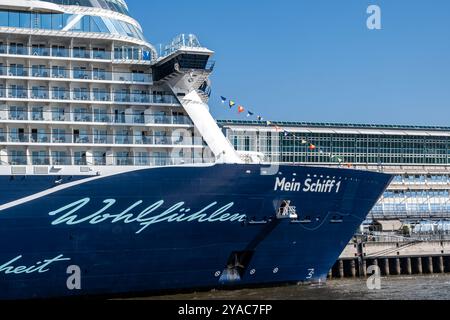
column 185, row 68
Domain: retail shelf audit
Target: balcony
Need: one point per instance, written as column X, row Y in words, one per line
column 18, row 115
column 18, row 49
column 101, row 96
column 81, row 53
column 18, row 138
column 61, row 95
column 161, row 140
column 18, row 93
column 165, row 99
column 136, row 54
column 77, row 74
column 40, row 161
column 101, row 139
column 59, row 52
column 58, row 116
column 61, row 161
column 60, row 74
column 121, row 139
column 37, row 115
column 40, row 73
column 17, row 71
column 139, row 119
column 83, row 95
column 130, row 160
column 131, row 77
column 87, row 115
column 140, row 98
column 43, row 71
column 143, row 140
column 101, row 118
column 18, row 160
column 88, row 96
column 61, row 138
column 101, row 54
column 81, row 139
column 82, row 117
column 40, row 51
column 41, row 94
column 40, row 138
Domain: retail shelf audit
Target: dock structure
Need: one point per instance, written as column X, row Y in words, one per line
column 393, row 258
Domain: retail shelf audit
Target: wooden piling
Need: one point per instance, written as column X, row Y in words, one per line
column 364, row 269
column 386, row 267
column 419, row 265
column 441, row 264
column 430, row 265
column 398, row 268
column 408, row 266
column 341, row 269
column 353, row 268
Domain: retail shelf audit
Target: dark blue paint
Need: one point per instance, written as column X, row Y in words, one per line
column 114, row 259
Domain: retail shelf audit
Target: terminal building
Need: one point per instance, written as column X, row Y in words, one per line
column 418, row 156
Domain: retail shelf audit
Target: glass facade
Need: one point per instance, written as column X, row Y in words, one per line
column 77, row 23
column 113, row 5
column 355, row 148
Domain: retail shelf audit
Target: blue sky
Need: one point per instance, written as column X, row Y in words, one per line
column 315, row 60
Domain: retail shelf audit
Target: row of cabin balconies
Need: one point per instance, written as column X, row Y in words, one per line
column 76, row 73
column 18, row 136
column 97, row 158
column 421, row 180
column 76, row 95
column 122, row 117
column 125, row 53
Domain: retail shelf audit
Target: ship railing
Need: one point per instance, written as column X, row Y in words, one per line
column 42, row 71
column 123, row 53
column 58, row 158
column 82, row 94
column 181, row 41
column 406, row 238
column 96, row 116
column 60, row 136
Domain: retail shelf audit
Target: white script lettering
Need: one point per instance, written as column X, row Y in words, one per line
column 147, row 217
column 39, row 267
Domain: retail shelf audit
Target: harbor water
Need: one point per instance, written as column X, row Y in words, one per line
column 432, row 287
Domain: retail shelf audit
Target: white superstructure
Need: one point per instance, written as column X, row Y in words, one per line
column 82, row 91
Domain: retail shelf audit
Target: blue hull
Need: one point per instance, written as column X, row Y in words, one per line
column 176, row 228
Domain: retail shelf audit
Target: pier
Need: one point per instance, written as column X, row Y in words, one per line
column 413, row 257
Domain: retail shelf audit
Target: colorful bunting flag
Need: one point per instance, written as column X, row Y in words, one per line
column 304, row 141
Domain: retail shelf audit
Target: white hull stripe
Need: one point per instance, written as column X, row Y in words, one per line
column 76, row 183
column 50, row 191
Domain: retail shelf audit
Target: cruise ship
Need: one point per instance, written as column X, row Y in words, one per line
column 116, row 180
